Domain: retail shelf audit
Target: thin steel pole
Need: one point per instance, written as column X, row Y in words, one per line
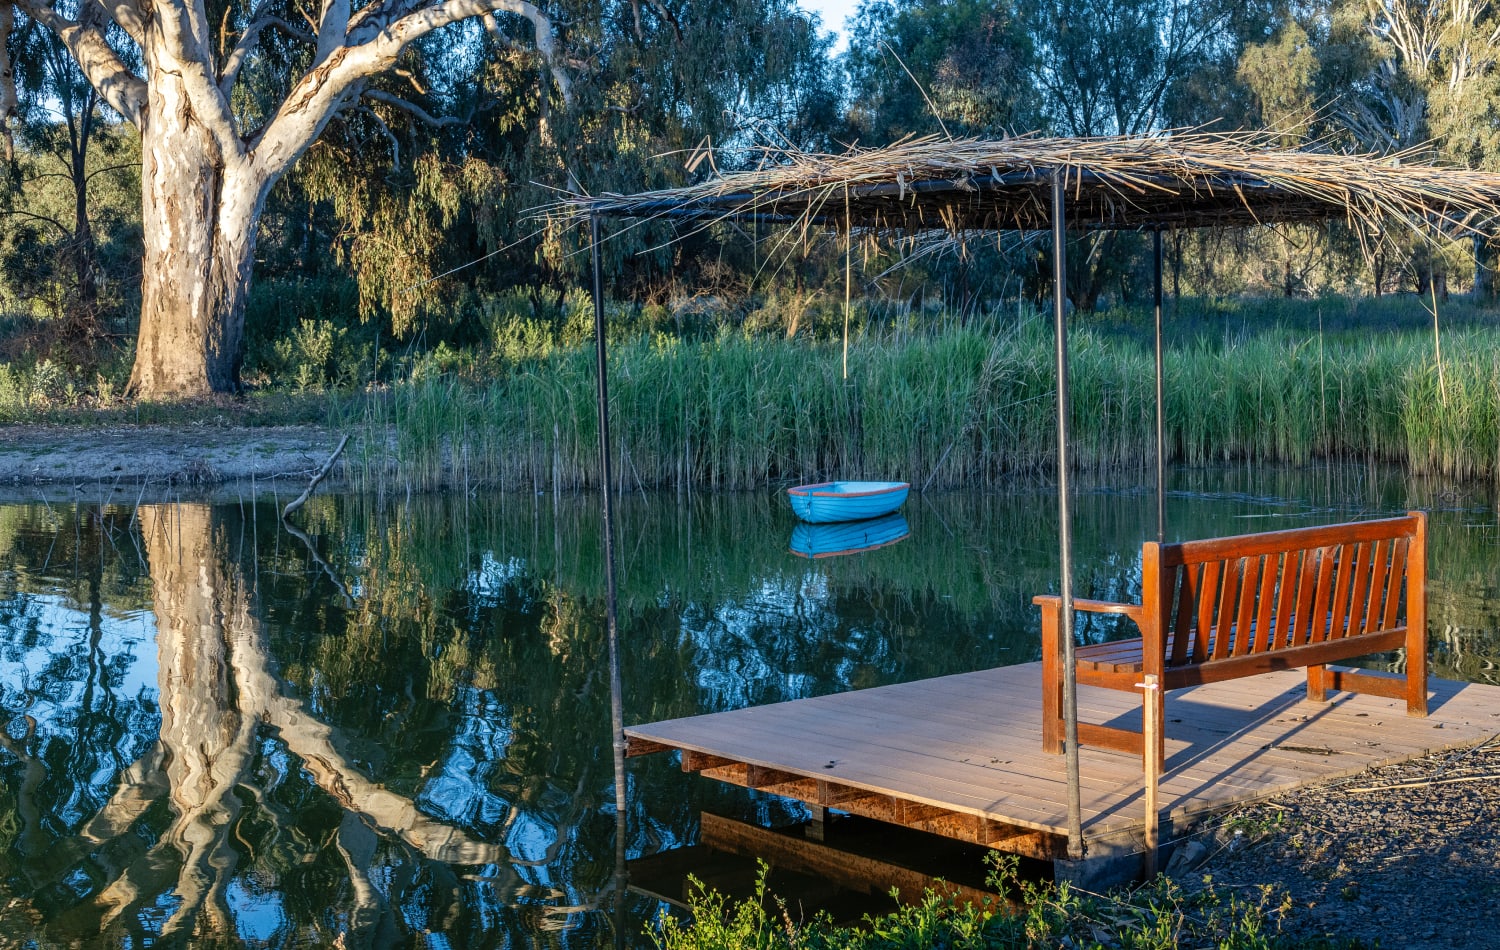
column 1064, row 518
column 612, row 633
column 1161, row 419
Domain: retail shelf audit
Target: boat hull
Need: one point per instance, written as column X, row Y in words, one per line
column 827, row 502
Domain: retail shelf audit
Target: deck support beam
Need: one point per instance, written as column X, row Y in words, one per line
column 821, row 795
column 635, row 747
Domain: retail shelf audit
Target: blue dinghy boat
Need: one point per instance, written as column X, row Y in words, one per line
column 848, row 537
column 824, row 502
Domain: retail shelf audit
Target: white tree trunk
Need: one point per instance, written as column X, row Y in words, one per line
column 199, row 216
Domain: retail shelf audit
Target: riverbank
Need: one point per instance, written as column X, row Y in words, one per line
column 160, row 457
column 967, row 407
column 1403, row 855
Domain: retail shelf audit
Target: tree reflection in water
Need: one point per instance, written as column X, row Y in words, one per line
column 247, row 801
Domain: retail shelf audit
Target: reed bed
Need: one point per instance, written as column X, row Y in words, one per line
column 958, row 409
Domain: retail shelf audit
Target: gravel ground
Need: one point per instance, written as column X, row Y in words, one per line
column 1404, row 855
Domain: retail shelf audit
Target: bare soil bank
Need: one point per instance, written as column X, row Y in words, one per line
column 158, row 457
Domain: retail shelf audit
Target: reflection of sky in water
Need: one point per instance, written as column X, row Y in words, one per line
column 258, row 913
column 496, row 578
column 79, row 696
column 458, row 789
column 58, row 633
column 754, row 649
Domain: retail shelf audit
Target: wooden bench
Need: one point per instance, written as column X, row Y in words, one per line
column 1230, row 607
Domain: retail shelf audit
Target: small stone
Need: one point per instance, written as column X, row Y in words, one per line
column 1185, row 857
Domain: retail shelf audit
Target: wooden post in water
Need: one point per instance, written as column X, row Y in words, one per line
column 1150, row 741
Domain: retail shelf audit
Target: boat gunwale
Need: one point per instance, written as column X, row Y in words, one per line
column 810, row 492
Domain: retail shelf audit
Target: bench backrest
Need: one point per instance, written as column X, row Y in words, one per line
column 1257, row 593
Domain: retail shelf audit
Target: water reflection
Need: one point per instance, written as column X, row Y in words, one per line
column 842, row 538
column 399, row 727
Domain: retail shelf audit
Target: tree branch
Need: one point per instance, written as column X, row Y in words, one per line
column 123, row 90
column 546, row 45
column 377, row 15
column 333, row 27
column 127, row 13
column 374, row 48
column 186, row 36
column 38, row 217
column 389, row 136
column 246, row 44
column 416, row 110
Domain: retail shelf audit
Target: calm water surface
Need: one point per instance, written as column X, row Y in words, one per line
column 396, row 729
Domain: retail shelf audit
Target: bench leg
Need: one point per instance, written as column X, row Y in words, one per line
column 1416, row 679
column 1052, row 725
column 1317, row 684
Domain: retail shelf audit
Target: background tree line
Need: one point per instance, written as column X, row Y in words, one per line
column 406, row 238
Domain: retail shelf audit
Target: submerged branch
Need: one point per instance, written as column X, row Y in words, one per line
column 321, row 474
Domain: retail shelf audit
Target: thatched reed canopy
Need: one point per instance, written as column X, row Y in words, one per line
column 1130, row 183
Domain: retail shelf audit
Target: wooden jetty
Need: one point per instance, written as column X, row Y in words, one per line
column 961, row 756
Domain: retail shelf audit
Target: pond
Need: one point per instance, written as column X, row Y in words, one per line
column 395, row 728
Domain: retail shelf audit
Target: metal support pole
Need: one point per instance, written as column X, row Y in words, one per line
column 1161, row 419
column 611, row 628
column 1064, row 517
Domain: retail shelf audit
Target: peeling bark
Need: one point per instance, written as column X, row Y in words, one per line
column 9, row 101
column 199, row 221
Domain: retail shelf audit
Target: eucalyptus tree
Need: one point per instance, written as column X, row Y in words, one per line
column 1432, row 74
column 934, row 66
column 663, row 92
column 227, row 96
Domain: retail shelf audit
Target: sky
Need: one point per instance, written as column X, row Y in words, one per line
column 832, row 13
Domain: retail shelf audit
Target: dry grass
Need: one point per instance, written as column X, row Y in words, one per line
column 1168, row 181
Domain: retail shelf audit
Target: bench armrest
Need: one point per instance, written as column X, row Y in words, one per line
column 1133, row 611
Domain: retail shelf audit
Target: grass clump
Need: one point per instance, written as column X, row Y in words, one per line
column 1025, row 914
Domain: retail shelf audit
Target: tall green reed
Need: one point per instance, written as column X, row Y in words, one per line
column 962, row 407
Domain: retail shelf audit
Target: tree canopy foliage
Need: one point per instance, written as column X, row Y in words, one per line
column 406, row 221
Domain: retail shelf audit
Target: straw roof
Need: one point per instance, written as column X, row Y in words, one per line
column 1181, row 180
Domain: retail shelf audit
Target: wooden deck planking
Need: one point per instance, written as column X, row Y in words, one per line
column 970, row 743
